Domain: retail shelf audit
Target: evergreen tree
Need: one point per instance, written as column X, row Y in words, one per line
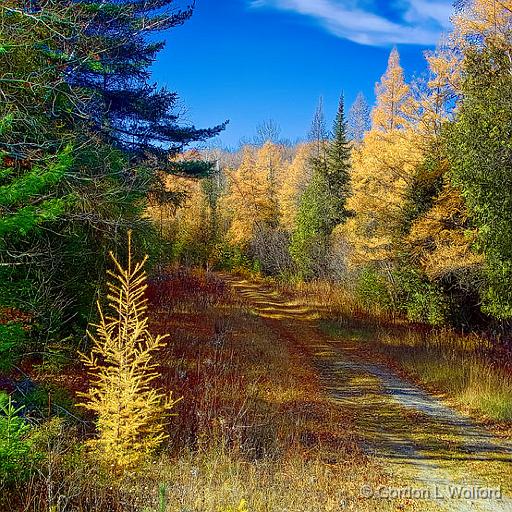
column 129, row 111
column 322, row 205
column 338, row 168
column 359, row 121
column 479, row 148
column 77, row 74
column 29, row 201
column 310, row 239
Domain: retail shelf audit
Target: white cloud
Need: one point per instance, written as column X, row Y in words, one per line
column 419, row 21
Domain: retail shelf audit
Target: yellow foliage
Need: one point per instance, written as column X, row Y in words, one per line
column 483, row 19
column 440, row 239
column 473, row 25
column 194, row 217
column 252, row 194
column 164, row 214
column 242, row 507
column 382, row 169
column 130, row 413
column 393, row 98
column 295, row 180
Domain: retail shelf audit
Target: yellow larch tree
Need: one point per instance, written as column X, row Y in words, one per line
column 296, row 177
column 440, row 240
column 193, row 223
column 383, row 167
column 393, row 98
column 474, row 22
column 251, row 200
column 480, row 19
column 382, row 170
column 130, row 412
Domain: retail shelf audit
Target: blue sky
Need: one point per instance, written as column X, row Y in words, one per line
column 252, row 60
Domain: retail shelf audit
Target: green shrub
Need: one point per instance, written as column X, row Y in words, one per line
column 12, row 336
column 16, row 453
column 420, row 299
column 372, row 290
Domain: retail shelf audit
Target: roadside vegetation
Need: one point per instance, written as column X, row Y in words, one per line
column 132, row 376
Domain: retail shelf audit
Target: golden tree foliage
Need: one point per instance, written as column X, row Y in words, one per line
column 383, row 167
column 393, row 98
column 480, row 19
column 382, row 170
column 440, row 239
column 130, row 412
column 445, row 73
column 473, row 24
column 296, row 177
column 191, row 218
column 252, row 193
column 430, row 107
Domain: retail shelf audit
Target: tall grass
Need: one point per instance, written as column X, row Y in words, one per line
column 254, row 432
column 470, row 370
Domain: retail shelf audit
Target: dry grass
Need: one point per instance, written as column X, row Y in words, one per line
column 254, row 425
column 470, row 370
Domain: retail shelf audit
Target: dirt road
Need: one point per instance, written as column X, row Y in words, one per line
column 435, row 454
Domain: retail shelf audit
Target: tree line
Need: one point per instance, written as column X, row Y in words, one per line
column 409, row 204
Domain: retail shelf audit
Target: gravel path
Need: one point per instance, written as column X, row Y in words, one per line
column 436, row 455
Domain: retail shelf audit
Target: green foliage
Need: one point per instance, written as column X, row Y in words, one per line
column 420, row 299
column 339, row 152
column 426, row 185
column 35, row 181
column 233, row 258
column 12, row 337
column 480, row 150
column 49, row 400
column 309, row 244
column 372, row 290
column 24, row 202
column 16, row 454
column 402, row 290
column 322, row 205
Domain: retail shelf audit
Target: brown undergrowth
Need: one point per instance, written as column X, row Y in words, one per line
column 254, row 431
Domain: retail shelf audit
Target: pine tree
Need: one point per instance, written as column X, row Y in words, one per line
column 111, row 61
column 26, row 196
column 130, row 411
column 359, row 119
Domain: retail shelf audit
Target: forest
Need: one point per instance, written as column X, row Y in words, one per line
column 184, row 327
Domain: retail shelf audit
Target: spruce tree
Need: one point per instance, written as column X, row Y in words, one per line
column 338, row 169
